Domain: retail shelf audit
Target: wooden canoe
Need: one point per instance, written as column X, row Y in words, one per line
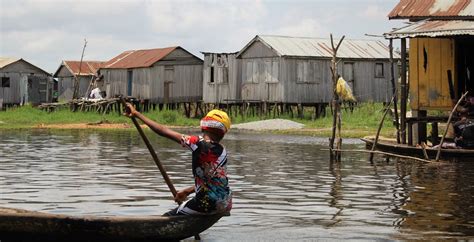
column 403, row 149
column 24, row 225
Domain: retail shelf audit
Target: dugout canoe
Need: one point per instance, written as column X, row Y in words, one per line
column 404, row 149
column 25, row 225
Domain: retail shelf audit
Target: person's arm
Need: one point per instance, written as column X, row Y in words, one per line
column 156, row 127
column 183, row 194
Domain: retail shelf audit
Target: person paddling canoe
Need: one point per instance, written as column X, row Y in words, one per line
column 209, row 164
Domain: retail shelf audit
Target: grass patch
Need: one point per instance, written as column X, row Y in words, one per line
column 364, row 120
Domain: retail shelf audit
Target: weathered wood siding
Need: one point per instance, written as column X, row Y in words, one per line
column 115, row 81
column 27, row 84
column 66, row 84
column 366, row 84
column 307, row 81
column 225, row 71
column 183, row 85
column 258, row 50
column 262, row 79
column 268, row 77
column 430, row 60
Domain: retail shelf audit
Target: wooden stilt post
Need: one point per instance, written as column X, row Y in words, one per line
column 380, row 128
column 335, row 104
column 395, row 91
column 404, row 92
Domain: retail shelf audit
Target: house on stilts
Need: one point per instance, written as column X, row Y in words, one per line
column 169, row 75
column 440, row 60
column 285, row 71
column 23, row 82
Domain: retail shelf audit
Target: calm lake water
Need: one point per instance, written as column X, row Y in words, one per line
column 284, row 186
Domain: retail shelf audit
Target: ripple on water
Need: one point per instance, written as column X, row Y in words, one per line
column 283, row 186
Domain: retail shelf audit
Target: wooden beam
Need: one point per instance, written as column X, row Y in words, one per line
column 404, row 91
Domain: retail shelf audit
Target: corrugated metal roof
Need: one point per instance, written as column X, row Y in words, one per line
column 87, row 68
column 138, row 58
column 319, row 47
column 439, row 9
column 5, row 61
column 435, row 28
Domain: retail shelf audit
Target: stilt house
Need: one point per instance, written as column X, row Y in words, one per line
column 441, row 61
column 164, row 75
column 68, row 71
column 296, row 70
column 23, row 82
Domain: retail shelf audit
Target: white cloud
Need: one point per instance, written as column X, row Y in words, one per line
column 48, row 31
column 303, row 28
column 373, row 12
column 171, row 17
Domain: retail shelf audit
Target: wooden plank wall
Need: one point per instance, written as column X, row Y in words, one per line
column 223, row 87
column 19, row 90
column 310, row 81
column 66, row 87
column 261, row 79
column 430, row 60
column 307, row 81
column 149, row 82
column 268, row 77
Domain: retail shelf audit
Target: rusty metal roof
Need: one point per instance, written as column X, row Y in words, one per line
column 320, row 47
column 435, row 28
column 434, row 9
column 138, row 58
column 87, row 68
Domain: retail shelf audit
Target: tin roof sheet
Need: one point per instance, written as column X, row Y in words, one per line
column 435, row 28
column 440, row 9
column 320, row 47
column 87, row 68
column 138, row 58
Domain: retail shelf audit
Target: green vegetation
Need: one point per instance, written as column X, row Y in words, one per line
column 364, row 120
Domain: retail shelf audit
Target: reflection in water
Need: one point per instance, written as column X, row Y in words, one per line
column 284, row 187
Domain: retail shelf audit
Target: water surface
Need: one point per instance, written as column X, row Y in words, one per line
column 284, row 186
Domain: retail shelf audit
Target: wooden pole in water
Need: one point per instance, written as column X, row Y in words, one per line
column 152, row 152
column 395, row 91
column 389, row 154
column 380, row 128
column 447, row 126
column 403, row 92
column 336, row 122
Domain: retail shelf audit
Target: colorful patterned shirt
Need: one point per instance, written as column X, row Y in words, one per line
column 209, row 164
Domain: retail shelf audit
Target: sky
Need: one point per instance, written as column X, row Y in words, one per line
column 45, row 32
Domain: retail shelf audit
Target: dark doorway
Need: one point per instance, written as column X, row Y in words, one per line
column 129, row 82
column 465, row 64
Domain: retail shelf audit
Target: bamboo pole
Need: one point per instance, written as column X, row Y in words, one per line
column 447, row 126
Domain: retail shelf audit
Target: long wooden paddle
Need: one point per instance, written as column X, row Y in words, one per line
column 152, row 151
